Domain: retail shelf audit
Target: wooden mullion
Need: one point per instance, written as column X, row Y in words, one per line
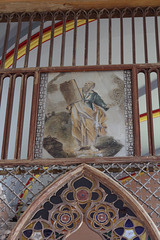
column 86, row 42
column 51, row 42
column 17, row 43
column 28, row 43
column 20, row 121
column 8, row 118
column 157, row 38
column 98, row 40
column 5, row 44
column 133, row 40
column 40, row 42
column 121, row 34
column 74, row 42
column 136, row 123
column 158, row 82
column 1, row 88
column 34, row 111
column 149, row 113
column 145, row 39
column 63, row 41
column 110, row 40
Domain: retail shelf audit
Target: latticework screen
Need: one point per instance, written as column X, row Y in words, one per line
column 35, row 44
column 20, row 185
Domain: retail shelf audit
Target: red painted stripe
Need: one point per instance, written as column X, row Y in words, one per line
column 33, row 37
column 145, row 114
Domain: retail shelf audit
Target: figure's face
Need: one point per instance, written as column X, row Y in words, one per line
column 88, row 86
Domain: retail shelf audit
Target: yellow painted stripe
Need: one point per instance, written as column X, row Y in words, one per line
column 46, row 36
column 154, row 115
column 143, row 119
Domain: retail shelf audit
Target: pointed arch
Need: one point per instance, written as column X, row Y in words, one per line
column 85, row 194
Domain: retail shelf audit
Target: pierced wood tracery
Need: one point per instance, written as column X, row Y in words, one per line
column 88, row 196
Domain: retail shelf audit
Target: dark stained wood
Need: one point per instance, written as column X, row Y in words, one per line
column 158, row 83
column 110, row 40
column 63, row 41
column 51, row 43
column 98, row 39
column 86, row 43
column 136, row 123
column 5, row 44
column 20, row 121
column 82, row 68
column 40, row 42
column 34, row 111
column 133, row 40
column 74, row 68
column 42, row 5
column 149, row 114
column 150, row 109
column 157, row 38
column 74, row 42
column 145, row 39
column 121, row 33
column 1, row 87
column 72, row 161
column 28, row 43
column 8, row 117
column 17, row 42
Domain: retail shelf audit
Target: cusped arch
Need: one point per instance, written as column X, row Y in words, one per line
column 85, row 194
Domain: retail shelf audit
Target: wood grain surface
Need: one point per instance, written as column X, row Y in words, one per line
column 51, row 5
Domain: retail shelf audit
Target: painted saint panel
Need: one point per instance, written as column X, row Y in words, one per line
column 85, row 115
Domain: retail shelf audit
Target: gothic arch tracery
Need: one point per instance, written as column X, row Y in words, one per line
column 85, row 194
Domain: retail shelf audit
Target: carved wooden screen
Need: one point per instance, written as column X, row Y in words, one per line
column 36, row 44
column 85, row 195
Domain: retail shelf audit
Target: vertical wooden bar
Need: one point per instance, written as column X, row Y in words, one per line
column 121, row 27
column 34, row 111
column 133, row 39
column 20, row 121
column 145, row 38
column 51, row 43
column 98, row 39
column 149, row 113
column 17, row 42
column 74, row 42
column 28, row 43
column 158, row 82
column 8, row 118
column 40, row 42
column 1, row 88
column 86, row 42
column 136, row 123
column 63, row 41
column 157, row 38
column 110, row 40
column 5, row 44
